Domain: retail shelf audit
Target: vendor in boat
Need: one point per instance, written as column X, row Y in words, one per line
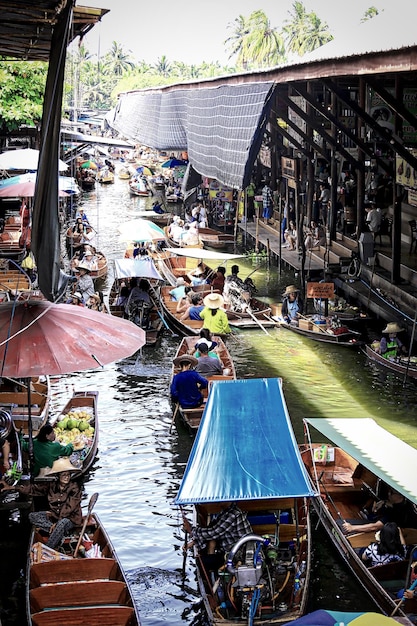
column 46, row 450
column 84, row 284
column 292, row 304
column 64, row 500
column 216, row 540
column 396, row 508
column 215, row 318
column 391, row 347
column 187, row 384
column 389, row 546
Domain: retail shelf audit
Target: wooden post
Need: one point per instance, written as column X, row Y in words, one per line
column 257, row 235
column 268, row 251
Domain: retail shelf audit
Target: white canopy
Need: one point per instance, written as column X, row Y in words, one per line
column 25, row 159
column 200, row 253
column 141, row 267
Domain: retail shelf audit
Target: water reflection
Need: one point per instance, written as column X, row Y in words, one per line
column 141, row 461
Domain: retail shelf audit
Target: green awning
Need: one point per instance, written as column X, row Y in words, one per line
column 388, row 457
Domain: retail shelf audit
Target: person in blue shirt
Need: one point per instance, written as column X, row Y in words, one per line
column 193, row 312
column 292, row 304
column 187, row 384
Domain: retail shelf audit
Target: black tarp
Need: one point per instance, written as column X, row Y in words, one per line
column 221, row 127
column 45, row 220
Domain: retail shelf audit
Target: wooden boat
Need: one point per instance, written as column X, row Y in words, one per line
column 126, row 269
column 253, row 314
column 61, row 589
column 88, row 183
column 174, row 198
column 347, row 480
column 105, row 177
column 82, row 407
column 13, row 282
column 100, row 266
column 319, row 328
column 183, row 327
column 192, row 417
column 175, row 244
column 142, row 191
column 401, row 366
column 259, row 470
column 15, row 236
column 17, row 402
column 214, row 238
column 124, row 173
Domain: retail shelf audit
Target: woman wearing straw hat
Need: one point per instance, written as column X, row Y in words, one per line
column 391, row 347
column 215, row 318
column 187, row 384
column 292, row 304
column 64, row 500
column 84, row 284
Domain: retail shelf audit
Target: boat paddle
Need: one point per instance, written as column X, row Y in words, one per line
column 91, row 504
column 165, row 323
column 174, row 415
column 403, row 599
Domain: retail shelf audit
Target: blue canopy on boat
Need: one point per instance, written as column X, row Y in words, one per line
column 245, row 448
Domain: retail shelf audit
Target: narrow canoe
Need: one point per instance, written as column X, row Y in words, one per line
column 175, row 244
column 192, row 417
column 61, row 589
column 82, row 407
column 214, row 238
column 101, row 265
column 400, row 367
column 322, row 332
column 347, row 482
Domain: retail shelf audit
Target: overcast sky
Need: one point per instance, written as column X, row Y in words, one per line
column 193, row 31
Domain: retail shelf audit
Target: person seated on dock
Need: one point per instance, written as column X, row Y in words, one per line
column 187, row 384
column 389, row 546
column 396, row 508
column 208, row 365
column 391, row 347
column 193, row 312
column 292, row 304
column 315, row 236
column 220, row 536
column 214, row 316
column 290, row 235
column 64, row 500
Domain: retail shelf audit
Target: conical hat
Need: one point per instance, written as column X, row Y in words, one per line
column 392, row 327
column 213, row 301
column 63, row 464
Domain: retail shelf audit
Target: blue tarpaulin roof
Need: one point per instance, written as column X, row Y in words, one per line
column 245, row 448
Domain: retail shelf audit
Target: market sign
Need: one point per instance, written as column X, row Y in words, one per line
column 220, row 192
column 405, row 175
column 320, row 291
column 288, row 168
column 412, row 197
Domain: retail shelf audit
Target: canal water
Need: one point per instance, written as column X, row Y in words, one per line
column 141, row 458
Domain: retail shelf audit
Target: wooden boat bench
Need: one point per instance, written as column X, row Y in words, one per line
column 81, row 593
column 18, row 402
column 63, row 571
column 93, row 616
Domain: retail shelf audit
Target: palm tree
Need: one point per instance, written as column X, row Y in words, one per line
column 162, row 66
column 305, row 32
column 236, row 41
column 370, row 13
column 263, row 45
column 118, row 61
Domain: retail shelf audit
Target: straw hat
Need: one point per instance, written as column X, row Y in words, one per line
column 81, row 266
column 63, row 464
column 96, row 296
column 291, row 289
column 213, row 301
column 77, row 295
column 392, row 327
column 185, row 358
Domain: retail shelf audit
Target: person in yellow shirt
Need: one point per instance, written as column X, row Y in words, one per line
column 215, row 318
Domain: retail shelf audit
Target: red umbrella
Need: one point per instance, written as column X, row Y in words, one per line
column 38, row 337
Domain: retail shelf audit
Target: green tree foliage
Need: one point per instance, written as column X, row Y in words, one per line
column 304, row 32
column 369, row 14
column 21, row 94
column 254, row 42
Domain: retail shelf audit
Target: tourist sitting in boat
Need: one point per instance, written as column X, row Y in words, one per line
column 89, row 259
column 391, row 347
column 84, row 284
column 205, row 337
column 157, row 208
column 190, row 236
column 193, row 312
column 218, row 280
column 123, row 296
column 216, row 541
column 315, row 236
column 64, row 500
column 215, row 318
column 80, row 214
column 46, row 449
column 290, row 236
column 396, row 508
column 185, row 302
column 139, row 302
column 292, row 304
column 178, row 292
column 187, row 384
column 176, row 229
column 76, row 299
column 208, row 365
column 96, row 302
column 198, row 276
column 234, row 278
column 389, row 546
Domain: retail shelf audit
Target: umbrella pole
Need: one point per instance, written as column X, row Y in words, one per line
column 30, row 431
